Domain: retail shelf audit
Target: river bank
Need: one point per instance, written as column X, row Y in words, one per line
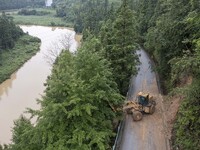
column 13, row 59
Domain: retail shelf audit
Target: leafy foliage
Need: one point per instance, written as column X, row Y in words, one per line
column 170, row 31
column 21, row 132
column 187, row 127
column 118, row 39
column 76, row 111
column 86, row 14
column 164, row 32
column 9, row 32
column 186, row 130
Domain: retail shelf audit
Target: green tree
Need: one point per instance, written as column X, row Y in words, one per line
column 170, row 32
column 119, row 39
column 87, row 15
column 5, row 33
column 145, row 12
column 9, row 32
column 23, row 134
column 186, row 129
column 77, row 109
column 166, row 35
column 187, row 126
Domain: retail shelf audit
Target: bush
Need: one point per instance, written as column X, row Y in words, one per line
column 27, row 12
column 53, row 24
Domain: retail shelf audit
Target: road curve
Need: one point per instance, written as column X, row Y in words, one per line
column 147, row 134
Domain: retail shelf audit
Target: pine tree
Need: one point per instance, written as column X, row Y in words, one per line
column 22, row 134
column 119, row 45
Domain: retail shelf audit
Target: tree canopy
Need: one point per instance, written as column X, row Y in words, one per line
column 119, row 41
column 77, row 109
column 9, row 32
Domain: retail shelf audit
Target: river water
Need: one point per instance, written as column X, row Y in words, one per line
column 26, row 85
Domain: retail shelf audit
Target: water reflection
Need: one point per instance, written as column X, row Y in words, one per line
column 6, row 85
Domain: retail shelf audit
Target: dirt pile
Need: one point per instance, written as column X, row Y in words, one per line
column 171, row 107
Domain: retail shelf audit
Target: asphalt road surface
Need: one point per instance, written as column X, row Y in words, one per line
column 147, row 134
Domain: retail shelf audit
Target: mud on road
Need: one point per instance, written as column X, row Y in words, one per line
column 149, row 133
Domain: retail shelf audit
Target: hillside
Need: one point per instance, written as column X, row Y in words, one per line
column 86, row 89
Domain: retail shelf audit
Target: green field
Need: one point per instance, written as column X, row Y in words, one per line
column 12, row 59
column 46, row 20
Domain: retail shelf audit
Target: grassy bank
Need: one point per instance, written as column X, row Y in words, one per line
column 12, row 59
column 49, row 19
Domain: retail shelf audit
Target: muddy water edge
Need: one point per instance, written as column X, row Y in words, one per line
column 27, row 84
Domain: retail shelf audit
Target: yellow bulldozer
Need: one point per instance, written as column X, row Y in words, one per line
column 144, row 103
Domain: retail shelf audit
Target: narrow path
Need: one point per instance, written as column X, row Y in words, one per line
column 147, row 134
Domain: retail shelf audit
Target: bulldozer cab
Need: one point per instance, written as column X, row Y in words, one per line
column 143, row 99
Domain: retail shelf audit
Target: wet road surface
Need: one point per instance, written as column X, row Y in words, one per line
column 147, row 134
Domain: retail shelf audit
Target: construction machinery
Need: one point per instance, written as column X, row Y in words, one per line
column 144, row 103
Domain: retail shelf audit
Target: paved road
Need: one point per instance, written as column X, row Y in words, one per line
column 147, row 134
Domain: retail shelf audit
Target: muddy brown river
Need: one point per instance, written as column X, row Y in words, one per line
column 26, row 85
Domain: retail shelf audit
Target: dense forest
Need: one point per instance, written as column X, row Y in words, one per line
column 17, row 4
column 170, row 32
column 87, row 88
column 82, row 12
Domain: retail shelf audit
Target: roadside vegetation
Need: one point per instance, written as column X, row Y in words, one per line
column 170, row 32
